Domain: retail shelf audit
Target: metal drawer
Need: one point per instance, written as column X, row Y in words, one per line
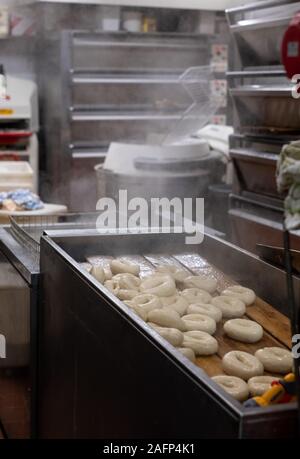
column 254, row 171
column 258, row 29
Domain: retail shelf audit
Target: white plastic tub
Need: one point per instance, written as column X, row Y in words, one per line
column 16, row 174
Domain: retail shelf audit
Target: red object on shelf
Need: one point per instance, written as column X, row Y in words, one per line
column 290, row 48
column 9, row 157
column 13, row 137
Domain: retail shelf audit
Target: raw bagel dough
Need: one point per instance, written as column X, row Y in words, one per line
column 201, row 342
column 172, row 335
column 258, row 385
column 166, row 318
column 176, row 302
column 234, row 386
column 86, row 266
column 242, row 365
column 98, row 273
column 206, row 309
column 200, row 322
column 119, row 266
column 128, row 281
column 244, row 330
column 126, row 294
column 137, row 309
column 107, row 272
column 230, row 306
column 112, row 286
column 188, row 353
column 242, row 293
column 160, row 285
column 275, row 359
column 177, row 273
column 167, row 300
column 147, row 301
column 196, row 295
column 202, row 282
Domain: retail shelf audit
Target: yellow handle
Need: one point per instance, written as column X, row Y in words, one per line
column 275, row 393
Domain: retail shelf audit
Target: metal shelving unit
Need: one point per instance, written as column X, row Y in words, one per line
column 119, row 87
column 264, row 114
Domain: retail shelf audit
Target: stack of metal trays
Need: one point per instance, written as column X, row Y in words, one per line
column 265, row 116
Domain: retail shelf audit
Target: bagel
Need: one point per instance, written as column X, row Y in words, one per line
column 176, row 302
column 172, row 335
column 244, row 330
column 162, row 285
column 242, row 293
column 119, row 266
column 275, row 359
column 234, row 386
column 178, row 274
column 98, row 273
column 201, row 342
column 128, row 281
column 147, row 301
column 206, row 309
column 166, row 318
column 188, row 353
column 196, row 295
column 258, row 385
column 242, row 365
column 202, row 282
column 230, row 306
column 137, row 309
column 200, row 322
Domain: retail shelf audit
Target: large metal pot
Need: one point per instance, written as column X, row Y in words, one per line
column 183, row 179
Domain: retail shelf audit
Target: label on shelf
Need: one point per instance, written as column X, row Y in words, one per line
column 4, row 21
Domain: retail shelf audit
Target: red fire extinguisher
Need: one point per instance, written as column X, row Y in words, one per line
column 290, row 49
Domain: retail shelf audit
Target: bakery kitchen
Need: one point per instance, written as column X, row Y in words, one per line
column 122, row 449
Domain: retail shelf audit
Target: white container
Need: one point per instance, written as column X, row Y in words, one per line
column 132, row 21
column 16, row 174
column 110, row 18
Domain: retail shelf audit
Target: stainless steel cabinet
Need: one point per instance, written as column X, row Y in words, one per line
column 264, row 114
column 14, row 315
column 119, row 87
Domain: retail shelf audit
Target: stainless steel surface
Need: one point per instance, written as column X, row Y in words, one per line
column 258, row 29
column 255, row 171
column 117, row 87
column 264, row 102
column 75, row 330
column 265, row 116
column 14, row 315
column 276, row 256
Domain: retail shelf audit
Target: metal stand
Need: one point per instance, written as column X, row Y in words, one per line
column 293, row 308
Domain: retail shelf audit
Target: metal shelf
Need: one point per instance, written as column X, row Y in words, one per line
column 260, row 24
column 119, row 115
column 246, row 73
column 254, row 154
column 100, row 78
column 135, row 44
column 88, row 150
column 262, row 91
column 139, row 35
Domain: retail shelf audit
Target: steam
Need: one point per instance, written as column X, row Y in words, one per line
column 73, row 181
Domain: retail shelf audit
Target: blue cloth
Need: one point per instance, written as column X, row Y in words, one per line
column 23, row 198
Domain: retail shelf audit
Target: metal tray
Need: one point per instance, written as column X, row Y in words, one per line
column 104, row 373
column 258, row 29
column 254, row 171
